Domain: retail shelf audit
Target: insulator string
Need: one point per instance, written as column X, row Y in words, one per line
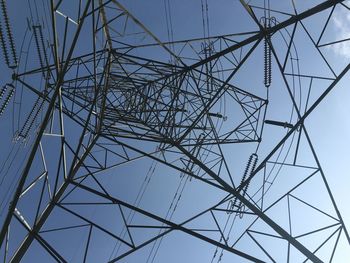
column 267, row 55
column 38, row 46
column 28, row 124
column 7, row 98
column 9, row 35
column 4, row 46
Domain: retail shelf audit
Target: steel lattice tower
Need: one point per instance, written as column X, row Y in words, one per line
column 131, row 147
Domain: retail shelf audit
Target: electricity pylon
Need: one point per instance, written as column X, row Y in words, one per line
column 140, row 147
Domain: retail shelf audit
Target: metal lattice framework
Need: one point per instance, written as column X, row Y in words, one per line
column 136, row 148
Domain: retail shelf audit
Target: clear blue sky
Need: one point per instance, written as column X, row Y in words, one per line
column 328, row 128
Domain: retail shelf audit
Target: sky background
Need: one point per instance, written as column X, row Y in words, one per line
column 328, row 126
